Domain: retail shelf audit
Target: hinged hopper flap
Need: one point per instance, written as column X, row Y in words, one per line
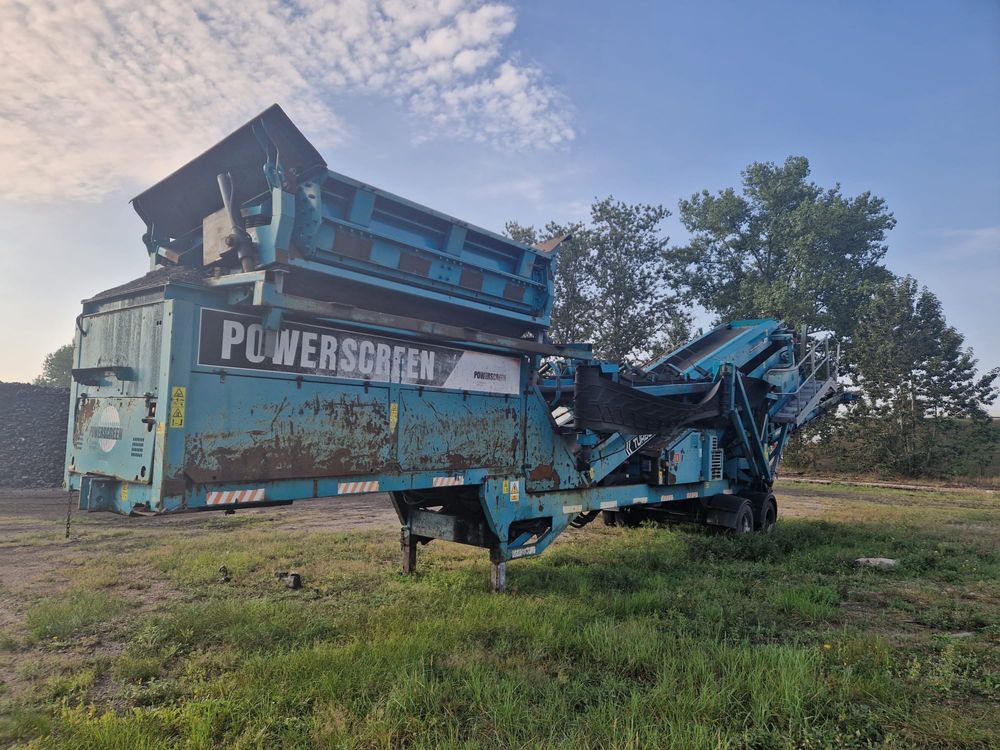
column 178, row 203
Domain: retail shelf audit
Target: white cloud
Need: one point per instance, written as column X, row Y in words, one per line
column 97, row 94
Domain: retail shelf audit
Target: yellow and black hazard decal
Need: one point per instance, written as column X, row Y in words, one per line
column 178, row 397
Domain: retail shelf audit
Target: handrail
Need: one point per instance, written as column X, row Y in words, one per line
column 827, row 359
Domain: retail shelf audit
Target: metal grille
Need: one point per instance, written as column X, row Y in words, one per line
column 715, row 468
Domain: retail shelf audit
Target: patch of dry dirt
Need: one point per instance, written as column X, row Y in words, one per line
column 36, row 558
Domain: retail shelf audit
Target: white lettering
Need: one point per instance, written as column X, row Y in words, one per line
column 300, row 347
column 412, row 363
column 383, row 354
column 255, row 343
column 285, row 348
column 308, row 349
column 232, row 334
column 636, row 443
column 327, row 353
column 366, row 357
column 397, row 364
column 348, row 355
column 426, row 365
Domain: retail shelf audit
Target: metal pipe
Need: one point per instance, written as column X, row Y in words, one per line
column 239, row 240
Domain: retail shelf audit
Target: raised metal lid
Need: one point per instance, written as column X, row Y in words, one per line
column 178, row 203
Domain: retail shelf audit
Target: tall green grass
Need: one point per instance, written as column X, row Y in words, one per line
column 61, row 617
column 643, row 638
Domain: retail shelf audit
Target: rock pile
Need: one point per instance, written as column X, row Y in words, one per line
column 32, row 435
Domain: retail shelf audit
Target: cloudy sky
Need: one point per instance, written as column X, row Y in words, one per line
column 497, row 110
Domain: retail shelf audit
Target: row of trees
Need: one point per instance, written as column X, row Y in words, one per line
column 782, row 246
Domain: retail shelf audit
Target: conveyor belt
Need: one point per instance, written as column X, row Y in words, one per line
column 693, row 353
column 604, row 405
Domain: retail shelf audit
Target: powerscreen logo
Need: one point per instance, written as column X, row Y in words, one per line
column 233, row 340
column 107, row 428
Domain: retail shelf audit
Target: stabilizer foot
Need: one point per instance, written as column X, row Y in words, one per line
column 408, row 548
column 498, row 573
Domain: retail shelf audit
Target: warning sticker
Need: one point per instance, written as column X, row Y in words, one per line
column 178, row 396
column 515, row 491
column 393, row 416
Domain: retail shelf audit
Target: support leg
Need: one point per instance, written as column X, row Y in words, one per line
column 498, row 572
column 408, row 547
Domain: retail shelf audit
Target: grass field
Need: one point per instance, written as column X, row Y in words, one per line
column 645, row 638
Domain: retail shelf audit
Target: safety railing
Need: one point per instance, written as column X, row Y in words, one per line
column 818, row 360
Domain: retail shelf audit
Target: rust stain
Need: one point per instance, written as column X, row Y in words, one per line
column 457, row 461
column 342, row 437
column 543, row 473
column 174, row 487
column 84, row 414
column 432, row 437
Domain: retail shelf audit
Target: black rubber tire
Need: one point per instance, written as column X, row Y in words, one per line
column 744, row 521
column 768, row 516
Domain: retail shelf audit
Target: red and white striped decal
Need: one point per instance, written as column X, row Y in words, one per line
column 447, row 481
column 348, row 488
column 235, row 496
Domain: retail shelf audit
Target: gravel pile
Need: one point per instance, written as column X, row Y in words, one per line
column 33, row 423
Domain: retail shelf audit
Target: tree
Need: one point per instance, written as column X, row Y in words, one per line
column 637, row 314
column 613, row 282
column 56, row 368
column 572, row 286
column 919, row 387
column 785, row 248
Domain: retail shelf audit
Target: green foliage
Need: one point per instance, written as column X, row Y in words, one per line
column 614, row 282
column 832, row 447
column 782, row 246
column 572, row 292
column 56, row 368
column 785, row 248
column 809, row 603
column 980, row 456
column 63, row 616
column 617, row 638
column 20, row 723
column 635, row 314
column 917, row 381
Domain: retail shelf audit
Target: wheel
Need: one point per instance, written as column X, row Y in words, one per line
column 765, row 513
column 744, row 521
column 768, row 516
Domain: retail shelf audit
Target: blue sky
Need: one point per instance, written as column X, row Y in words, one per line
column 497, row 111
